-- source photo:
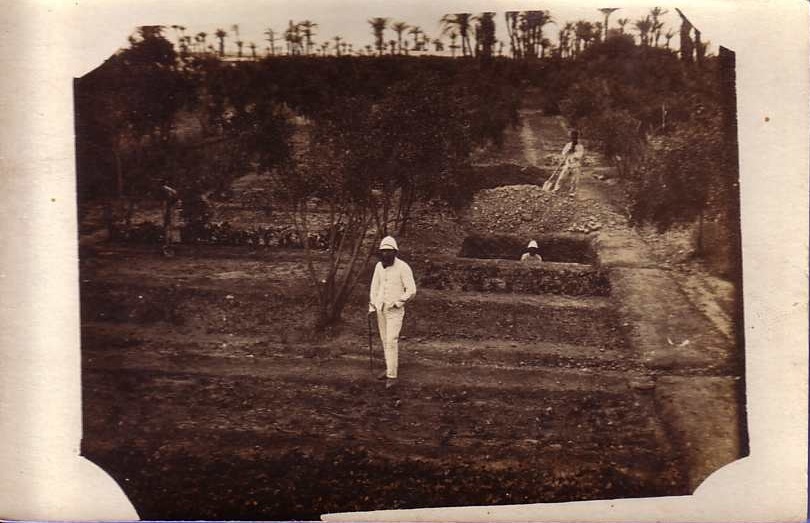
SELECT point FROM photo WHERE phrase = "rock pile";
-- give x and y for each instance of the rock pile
(528, 209)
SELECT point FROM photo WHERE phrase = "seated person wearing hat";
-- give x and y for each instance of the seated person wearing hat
(532, 255)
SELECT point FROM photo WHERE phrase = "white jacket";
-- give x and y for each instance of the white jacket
(391, 286)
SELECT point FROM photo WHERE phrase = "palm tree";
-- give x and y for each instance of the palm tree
(453, 45)
(344, 46)
(565, 39)
(656, 13)
(202, 36)
(669, 35)
(221, 34)
(369, 49)
(511, 29)
(239, 44)
(307, 30)
(271, 38)
(607, 12)
(644, 25)
(399, 28)
(583, 32)
(424, 43)
(485, 33)
(531, 25)
(337, 40)
(438, 45)
(252, 50)
(458, 22)
(378, 26)
(622, 22)
(415, 31)
(295, 40)
(392, 44)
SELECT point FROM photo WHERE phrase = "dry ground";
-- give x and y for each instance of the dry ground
(207, 396)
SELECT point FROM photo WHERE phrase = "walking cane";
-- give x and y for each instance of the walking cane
(370, 351)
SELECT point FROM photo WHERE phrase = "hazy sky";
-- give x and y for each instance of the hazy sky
(349, 19)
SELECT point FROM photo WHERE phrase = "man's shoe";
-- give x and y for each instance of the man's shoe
(390, 382)
(382, 376)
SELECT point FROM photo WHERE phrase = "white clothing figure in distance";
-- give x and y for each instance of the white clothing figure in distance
(532, 255)
(572, 155)
(391, 287)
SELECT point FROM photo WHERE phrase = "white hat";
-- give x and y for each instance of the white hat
(388, 243)
(532, 244)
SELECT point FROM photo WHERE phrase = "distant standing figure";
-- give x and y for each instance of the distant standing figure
(572, 155)
(170, 199)
(532, 255)
(391, 287)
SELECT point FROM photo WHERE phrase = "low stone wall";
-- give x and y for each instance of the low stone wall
(508, 276)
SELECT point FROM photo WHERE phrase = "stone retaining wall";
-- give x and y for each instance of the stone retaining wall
(508, 276)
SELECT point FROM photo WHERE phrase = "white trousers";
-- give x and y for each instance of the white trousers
(389, 322)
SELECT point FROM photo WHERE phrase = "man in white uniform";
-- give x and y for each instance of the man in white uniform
(391, 287)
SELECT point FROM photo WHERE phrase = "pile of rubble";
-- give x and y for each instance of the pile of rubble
(528, 209)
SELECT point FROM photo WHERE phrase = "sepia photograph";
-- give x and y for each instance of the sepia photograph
(452, 259)
(338, 263)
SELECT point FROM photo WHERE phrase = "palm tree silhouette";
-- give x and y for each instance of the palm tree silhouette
(583, 31)
(221, 34)
(531, 26)
(271, 38)
(203, 35)
(307, 29)
(460, 23)
(565, 39)
(252, 50)
(607, 11)
(669, 35)
(378, 26)
(415, 31)
(337, 40)
(644, 25)
(485, 33)
(399, 28)
(656, 13)
(622, 22)
(453, 46)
